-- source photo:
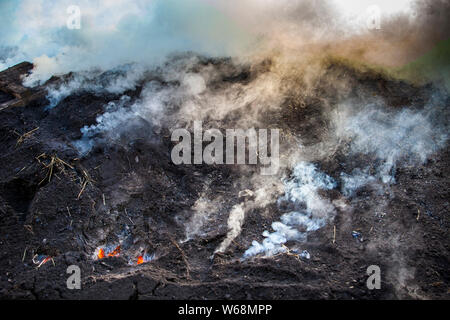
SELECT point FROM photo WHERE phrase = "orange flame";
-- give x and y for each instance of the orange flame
(140, 260)
(115, 253)
(101, 254)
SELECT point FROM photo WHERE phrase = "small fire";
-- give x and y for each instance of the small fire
(112, 251)
(102, 253)
(115, 253)
(144, 259)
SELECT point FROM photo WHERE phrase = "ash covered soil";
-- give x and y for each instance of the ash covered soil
(58, 202)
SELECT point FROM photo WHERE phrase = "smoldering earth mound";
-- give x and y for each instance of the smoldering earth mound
(75, 177)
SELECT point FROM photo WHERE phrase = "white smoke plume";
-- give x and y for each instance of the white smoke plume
(117, 81)
(394, 137)
(359, 178)
(123, 115)
(235, 221)
(176, 94)
(311, 210)
(203, 212)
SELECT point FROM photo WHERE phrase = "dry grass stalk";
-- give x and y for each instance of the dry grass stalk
(55, 161)
(83, 186)
(24, 254)
(126, 213)
(25, 136)
(289, 253)
(86, 179)
(29, 228)
(334, 234)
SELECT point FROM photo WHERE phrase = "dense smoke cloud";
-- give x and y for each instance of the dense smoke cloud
(114, 33)
(145, 32)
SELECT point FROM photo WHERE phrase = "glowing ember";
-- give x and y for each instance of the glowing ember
(142, 259)
(116, 251)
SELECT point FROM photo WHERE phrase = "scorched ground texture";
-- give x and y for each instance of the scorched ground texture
(144, 193)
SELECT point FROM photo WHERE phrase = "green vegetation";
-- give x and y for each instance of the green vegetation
(434, 66)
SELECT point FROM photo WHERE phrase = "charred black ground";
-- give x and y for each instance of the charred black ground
(150, 199)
